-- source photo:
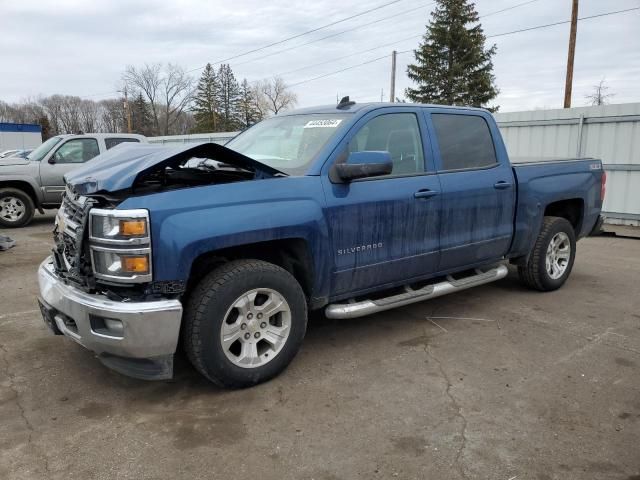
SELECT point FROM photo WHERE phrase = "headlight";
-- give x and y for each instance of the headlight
(119, 226)
(120, 245)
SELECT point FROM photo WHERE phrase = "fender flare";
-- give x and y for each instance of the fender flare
(35, 191)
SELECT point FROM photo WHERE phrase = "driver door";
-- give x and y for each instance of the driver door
(69, 155)
(385, 230)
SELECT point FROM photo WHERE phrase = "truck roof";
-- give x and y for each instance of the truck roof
(104, 135)
(368, 106)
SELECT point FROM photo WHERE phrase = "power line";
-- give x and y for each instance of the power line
(347, 56)
(301, 34)
(306, 43)
(561, 23)
(489, 36)
(537, 27)
(379, 46)
(338, 71)
(342, 20)
(336, 34)
(508, 8)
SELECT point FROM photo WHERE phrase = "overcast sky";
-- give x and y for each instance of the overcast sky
(82, 47)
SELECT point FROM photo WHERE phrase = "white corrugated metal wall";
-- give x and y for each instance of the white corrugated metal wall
(610, 133)
(220, 137)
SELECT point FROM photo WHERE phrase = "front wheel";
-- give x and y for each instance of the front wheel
(552, 257)
(16, 208)
(244, 323)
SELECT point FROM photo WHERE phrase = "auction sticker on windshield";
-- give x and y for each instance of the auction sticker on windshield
(323, 123)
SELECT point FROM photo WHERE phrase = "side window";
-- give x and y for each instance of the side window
(464, 140)
(396, 133)
(112, 142)
(78, 150)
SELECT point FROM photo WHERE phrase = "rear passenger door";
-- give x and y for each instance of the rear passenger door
(385, 229)
(478, 190)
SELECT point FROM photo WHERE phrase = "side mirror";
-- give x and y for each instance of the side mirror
(363, 165)
(51, 160)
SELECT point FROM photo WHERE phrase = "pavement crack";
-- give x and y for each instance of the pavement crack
(458, 410)
(23, 415)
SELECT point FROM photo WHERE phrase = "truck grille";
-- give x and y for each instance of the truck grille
(71, 258)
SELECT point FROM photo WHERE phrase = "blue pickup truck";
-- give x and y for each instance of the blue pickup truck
(354, 209)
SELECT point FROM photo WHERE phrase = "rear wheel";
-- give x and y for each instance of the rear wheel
(16, 208)
(552, 257)
(244, 323)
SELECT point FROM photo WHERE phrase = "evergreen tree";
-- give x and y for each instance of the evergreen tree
(452, 65)
(141, 119)
(206, 107)
(228, 99)
(248, 113)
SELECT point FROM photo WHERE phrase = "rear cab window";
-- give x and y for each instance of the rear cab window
(112, 142)
(464, 141)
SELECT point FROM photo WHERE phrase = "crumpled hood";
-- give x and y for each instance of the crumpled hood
(120, 168)
(6, 162)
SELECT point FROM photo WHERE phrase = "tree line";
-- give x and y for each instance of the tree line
(159, 99)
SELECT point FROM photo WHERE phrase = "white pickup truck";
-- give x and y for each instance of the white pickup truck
(36, 182)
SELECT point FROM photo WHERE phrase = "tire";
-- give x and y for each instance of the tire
(232, 297)
(538, 273)
(16, 208)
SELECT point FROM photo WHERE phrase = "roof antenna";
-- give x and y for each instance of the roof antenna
(345, 103)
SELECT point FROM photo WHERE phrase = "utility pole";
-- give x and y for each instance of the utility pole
(572, 52)
(392, 93)
(128, 110)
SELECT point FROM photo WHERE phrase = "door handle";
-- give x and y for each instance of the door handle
(502, 185)
(426, 193)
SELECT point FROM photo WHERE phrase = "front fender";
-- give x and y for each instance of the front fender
(22, 178)
(188, 223)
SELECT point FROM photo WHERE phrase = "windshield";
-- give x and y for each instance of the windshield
(39, 153)
(290, 143)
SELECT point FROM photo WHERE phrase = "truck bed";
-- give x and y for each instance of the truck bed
(543, 183)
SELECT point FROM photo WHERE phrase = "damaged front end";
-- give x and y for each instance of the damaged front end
(98, 287)
(136, 169)
(123, 172)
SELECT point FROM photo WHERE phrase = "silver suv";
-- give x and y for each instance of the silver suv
(36, 182)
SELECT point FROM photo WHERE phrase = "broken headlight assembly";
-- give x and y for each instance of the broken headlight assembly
(120, 245)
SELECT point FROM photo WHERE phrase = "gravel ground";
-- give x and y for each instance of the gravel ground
(498, 382)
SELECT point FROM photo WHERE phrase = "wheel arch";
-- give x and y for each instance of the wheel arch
(24, 186)
(570, 209)
(291, 254)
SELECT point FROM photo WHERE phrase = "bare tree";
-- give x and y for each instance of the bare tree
(6, 112)
(112, 115)
(599, 95)
(178, 93)
(148, 80)
(275, 95)
(260, 102)
(89, 116)
(168, 89)
(53, 108)
(70, 113)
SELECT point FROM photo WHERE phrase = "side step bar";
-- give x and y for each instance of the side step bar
(450, 285)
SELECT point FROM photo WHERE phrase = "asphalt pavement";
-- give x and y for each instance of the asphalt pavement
(498, 382)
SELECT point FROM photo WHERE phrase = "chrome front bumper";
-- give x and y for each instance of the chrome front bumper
(146, 334)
